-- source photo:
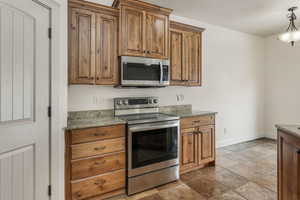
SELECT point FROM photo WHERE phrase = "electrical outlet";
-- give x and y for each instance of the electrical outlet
(225, 131)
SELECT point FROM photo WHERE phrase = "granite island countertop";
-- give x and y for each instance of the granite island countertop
(97, 118)
(292, 129)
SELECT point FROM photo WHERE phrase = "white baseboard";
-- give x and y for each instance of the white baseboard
(271, 135)
(228, 142)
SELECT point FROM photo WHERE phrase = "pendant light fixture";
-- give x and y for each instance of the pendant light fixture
(292, 34)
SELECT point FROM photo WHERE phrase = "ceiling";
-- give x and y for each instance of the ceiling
(260, 17)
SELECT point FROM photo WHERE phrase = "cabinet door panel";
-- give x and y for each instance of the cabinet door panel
(82, 47)
(156, 35)
(206, 142)
(176, 48)
(187, 51)
(288, 167)
(132, 35)
(188, 151)
(194, 61)
(106, 47)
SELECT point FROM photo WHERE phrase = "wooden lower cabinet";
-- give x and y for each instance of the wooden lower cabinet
(206, 142)
(197, 143)
(95, 163)
(189, 156)
(288, 166)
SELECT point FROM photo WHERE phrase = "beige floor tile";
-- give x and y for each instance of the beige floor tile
(225, 162)
(181, 192)
(207, 187)
(152, 197)
(228, 196)
(142, 194)
(252, 191)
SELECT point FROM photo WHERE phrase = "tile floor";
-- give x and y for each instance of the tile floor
(245, 171)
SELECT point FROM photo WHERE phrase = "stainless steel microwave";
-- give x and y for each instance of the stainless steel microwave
(144, 72)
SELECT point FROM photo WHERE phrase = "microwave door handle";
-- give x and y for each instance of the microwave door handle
(161, 72)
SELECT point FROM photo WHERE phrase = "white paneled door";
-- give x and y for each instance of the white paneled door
(24, 100)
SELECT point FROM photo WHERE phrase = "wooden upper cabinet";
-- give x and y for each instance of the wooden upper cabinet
(82, 46)
(176, 55)
(106, 50)
(132, 39)
(157, 35)
(93, 43)
(185, 54)
(144, 29)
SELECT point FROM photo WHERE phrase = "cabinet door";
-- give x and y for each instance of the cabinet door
(82, 47)
(288, 167)
(194, 60)
(176, 57)
(132, 32)
(106, 50)
(206, 144)
(188, 150)
(187, 52)
(157, 35)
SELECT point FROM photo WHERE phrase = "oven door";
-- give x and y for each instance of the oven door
(152, 146)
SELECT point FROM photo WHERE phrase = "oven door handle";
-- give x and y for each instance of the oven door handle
(154, 126)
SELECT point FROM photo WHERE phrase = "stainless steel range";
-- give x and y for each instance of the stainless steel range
(152, 143)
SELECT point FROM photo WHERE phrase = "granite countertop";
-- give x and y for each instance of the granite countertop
(92, 123)
(184, 111)
(92, 119)
(192, 113)
(97, 118)
(292, 129)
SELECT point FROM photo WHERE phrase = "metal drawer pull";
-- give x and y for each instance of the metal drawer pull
(100, 163)
(99, 148)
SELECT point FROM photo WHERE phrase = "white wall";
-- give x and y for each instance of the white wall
(282, 96)
(233, 84)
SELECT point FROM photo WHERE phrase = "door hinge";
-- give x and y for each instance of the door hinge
(49, 190)
(50, 33)
(49, 111)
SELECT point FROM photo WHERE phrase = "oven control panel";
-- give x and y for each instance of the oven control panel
(136, 102)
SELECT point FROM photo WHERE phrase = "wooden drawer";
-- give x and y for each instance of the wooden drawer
(97, 148)
(189, 130)
(197, 121)
(98, 185)
(97, 165)
(94, 134)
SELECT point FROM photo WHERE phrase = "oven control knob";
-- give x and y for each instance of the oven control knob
(119, 103)
(155, 101)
